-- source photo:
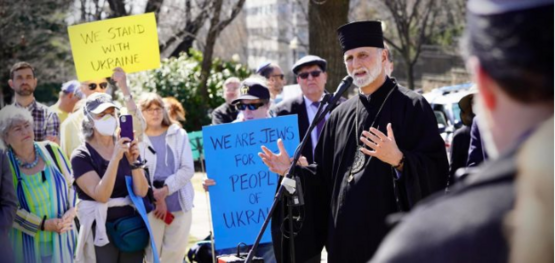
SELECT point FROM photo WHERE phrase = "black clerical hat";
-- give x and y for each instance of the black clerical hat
(309, 60)
(360, 34)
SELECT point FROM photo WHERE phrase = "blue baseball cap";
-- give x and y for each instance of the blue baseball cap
(70, 86)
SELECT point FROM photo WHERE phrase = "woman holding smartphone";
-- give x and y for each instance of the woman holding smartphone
(100, 167)
(170, 166)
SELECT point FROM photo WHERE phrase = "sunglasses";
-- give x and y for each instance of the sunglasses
(253, 106)
(314, 74)
(103, 85)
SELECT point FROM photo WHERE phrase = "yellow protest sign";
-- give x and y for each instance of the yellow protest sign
(129, 42)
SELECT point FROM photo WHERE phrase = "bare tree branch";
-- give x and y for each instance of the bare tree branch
(235, 11)
(188, 32)
(154, 6)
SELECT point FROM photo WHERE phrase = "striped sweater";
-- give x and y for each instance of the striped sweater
(46, 194)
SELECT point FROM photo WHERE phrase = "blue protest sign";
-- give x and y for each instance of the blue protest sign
(245, 188)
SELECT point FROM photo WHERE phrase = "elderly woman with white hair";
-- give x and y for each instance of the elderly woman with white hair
(43, 230)
(111, 228)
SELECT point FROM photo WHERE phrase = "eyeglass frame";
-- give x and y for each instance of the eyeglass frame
(152, 111)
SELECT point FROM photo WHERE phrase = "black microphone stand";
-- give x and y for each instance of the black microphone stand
(320, 115)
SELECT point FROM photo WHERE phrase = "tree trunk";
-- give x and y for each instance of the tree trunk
(324, 19)
(117, 7)
(410, 75)
(208, 52)
(216, 27)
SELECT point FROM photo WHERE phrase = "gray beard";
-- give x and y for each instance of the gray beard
(371, 75)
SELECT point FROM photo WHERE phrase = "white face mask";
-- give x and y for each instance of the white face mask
(106, 125)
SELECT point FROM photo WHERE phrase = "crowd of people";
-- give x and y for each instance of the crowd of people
(376, 180)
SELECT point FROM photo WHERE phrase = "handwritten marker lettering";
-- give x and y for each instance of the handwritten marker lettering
(245, 187)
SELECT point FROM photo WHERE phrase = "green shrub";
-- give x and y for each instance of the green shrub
(180, 77)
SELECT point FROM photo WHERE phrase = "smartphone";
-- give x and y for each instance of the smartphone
(169, 217)
(126, 126)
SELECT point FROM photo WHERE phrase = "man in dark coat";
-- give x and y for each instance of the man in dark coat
(515, 85)
(379, 153)
(309, 241)
(476, 152)
(227, 113)
(461, 137)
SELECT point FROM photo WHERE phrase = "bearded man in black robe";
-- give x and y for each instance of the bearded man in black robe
(379, 153)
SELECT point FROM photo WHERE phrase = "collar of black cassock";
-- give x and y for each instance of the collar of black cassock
(379, 95)
(360, 34)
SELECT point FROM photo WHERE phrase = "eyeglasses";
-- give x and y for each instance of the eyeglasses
(253, 106)
(103, 85)
(281, 76)
(153, 110)
(314, 74)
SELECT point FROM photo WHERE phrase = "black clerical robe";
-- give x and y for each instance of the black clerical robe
(358, 208)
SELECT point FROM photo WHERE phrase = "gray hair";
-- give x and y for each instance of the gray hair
(10, 115)
(87, 126)
(232, 80)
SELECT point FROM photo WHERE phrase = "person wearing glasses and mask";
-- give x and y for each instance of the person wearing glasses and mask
(254, 104)
(100, 166)
(275, 80)
(72, 125)
(312, 77)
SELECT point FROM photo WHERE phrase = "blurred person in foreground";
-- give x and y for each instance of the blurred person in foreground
(72, 126)
(100, 165)
(66, 100)
(43, 230)
(226, 112)
(24, 82)
(530, 224)
(379, 153)
(515, 96)
(170, 168)
(175, 110)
